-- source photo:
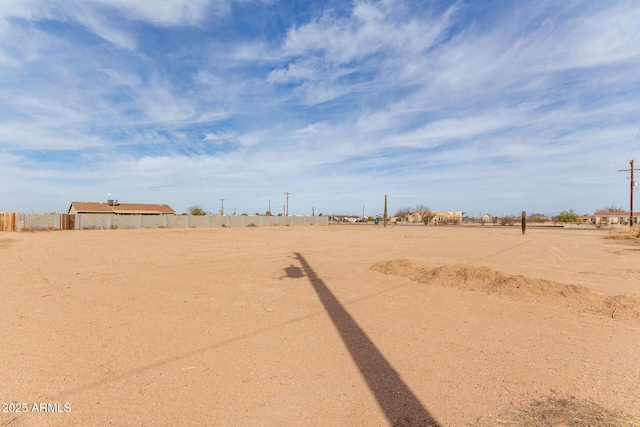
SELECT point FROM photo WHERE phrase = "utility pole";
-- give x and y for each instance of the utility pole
(286, 212)
(222, 209)
(630, 170)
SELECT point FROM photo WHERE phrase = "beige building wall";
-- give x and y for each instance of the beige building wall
(436, 217)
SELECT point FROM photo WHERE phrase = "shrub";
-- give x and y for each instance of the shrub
(196, 210)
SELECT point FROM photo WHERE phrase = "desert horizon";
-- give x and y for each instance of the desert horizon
(340, 325)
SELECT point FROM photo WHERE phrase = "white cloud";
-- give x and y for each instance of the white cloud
(371, 28)
(166, 12)
(330, 56)
(7, 61)
(294, 72)
(508, 58)
(252, 138)
(102, 27)
(610, 35)
(47, 137)
(378, 95)
(26, 9)
(211, 116)
(219, 136)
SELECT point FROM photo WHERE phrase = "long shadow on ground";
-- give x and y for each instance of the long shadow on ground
(400, 406)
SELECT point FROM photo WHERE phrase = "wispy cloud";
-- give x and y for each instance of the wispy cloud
(459, 106)
(166, 12)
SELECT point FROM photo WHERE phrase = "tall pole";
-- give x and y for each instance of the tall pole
(631, 170)
(631, 196)
(222, 209)
(269, 206)
(384, 218)
(286, 212)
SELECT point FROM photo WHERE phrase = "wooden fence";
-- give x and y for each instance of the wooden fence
(67, 222)
(8, 221)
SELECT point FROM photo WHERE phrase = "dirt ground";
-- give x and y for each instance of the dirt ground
(345, 325)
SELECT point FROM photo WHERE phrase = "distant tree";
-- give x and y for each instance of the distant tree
(425, 213)
(568, 216)
(612, 208)
(507, 220)
(403, 213)
(196, 210)
(268, 213)
(537, 217)
(244, 214)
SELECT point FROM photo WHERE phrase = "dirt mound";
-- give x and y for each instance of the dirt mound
(625, 235)
(484, 279)
(566, 412)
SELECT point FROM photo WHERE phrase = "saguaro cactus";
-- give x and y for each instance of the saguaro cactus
(524, 221)
(384, 218)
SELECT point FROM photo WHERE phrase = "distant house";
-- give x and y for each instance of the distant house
(112, 206)
(585, 219)
(439, 217)
(610, 218)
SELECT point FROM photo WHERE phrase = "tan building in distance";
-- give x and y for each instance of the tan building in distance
(611, 218)
(436, 217)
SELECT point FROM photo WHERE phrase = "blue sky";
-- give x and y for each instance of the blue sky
(478, 106)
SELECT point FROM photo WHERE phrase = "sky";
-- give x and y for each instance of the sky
(489, 106)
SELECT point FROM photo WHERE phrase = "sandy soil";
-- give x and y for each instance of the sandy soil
(335, 325)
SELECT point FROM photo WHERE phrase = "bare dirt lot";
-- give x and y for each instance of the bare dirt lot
(335, 325)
